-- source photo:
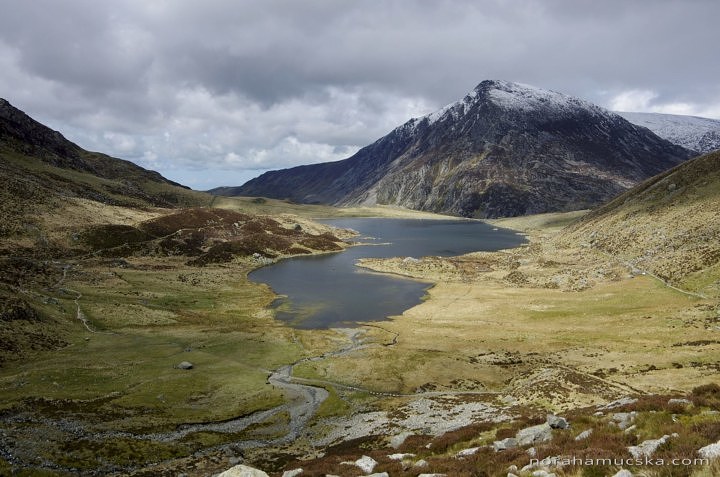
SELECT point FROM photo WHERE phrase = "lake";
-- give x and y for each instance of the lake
(324, 291)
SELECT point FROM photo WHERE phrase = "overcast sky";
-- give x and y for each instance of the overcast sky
(214, 92)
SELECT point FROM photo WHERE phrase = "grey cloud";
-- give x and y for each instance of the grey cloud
(249, 85)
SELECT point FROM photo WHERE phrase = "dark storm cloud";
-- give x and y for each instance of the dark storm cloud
(221, 85)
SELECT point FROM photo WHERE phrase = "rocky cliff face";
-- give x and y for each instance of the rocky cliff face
(505, 149)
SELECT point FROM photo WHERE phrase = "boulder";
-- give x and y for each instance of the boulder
(557, 422)
(681, 402)
(711, 451)
(243, 471)
(647, 448)
(292, 473)
(584, 435)
(185, 365)
(468, 452)
(623, 473)
(400, 456)
(398, 439)
(534, 435)
(366, 464)
(542, 473)
(507, 443)
(625, 401)
(623, 419)
(421, 464)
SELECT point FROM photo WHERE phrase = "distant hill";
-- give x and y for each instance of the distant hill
(668, 225)
(691, 132)
(39, 168)
(505, 149)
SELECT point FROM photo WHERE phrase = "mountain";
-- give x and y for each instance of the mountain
(505, 149)
(691, 132)
(668, 225)
(40, 169)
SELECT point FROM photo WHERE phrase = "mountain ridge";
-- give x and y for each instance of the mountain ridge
(692, 132)
(504, 149)
(41, 170)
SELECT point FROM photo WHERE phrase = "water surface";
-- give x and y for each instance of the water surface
(325, 291)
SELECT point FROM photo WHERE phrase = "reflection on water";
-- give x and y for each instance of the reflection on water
(329, 290)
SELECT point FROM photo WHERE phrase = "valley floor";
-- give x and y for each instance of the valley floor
(502, 336)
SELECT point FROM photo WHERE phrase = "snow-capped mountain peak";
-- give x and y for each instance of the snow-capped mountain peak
(692, 132)
(513, 97)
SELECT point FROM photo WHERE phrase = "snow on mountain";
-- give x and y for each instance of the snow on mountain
(513, 96)
(692, 132)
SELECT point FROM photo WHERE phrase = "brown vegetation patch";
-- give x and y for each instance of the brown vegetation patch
(194, 218)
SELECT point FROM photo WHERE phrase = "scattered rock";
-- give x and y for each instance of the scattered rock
(410, 260)
(243, 471)
(532, 452)
(630, 429)
(711, 451)
(421, 464)
(510, 474)
(366, 464)
(185, 365)
(378, 474)
(623, 473)
(647, 448)
(432, 475)
(468, 452)
(557, 422)
(513, 468)
(584, 435)
(400, 456)
(235, 460)
(507, 443)
(534, 435)
(292, 473)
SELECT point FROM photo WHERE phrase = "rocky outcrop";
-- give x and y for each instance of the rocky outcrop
(504, 150)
